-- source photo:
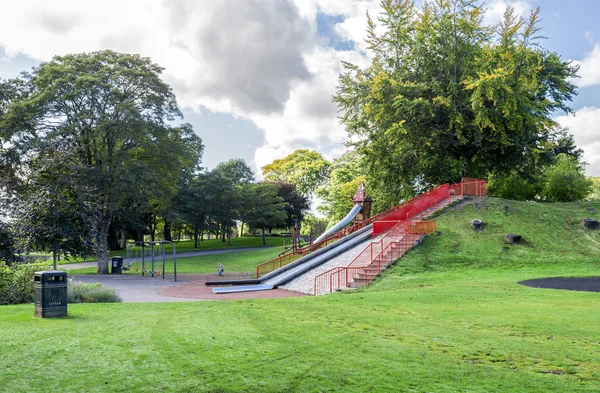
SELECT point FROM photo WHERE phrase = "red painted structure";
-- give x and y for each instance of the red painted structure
(383, 222)
(401, 229)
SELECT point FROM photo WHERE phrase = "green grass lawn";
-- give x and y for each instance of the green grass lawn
(238, 242)
(448, 317)
(245, 261)
(188, 246)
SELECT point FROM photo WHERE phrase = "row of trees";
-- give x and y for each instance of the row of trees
(88, 148)
(220, 199)
(89, 144)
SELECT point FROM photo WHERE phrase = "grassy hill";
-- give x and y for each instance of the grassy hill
(450, 316)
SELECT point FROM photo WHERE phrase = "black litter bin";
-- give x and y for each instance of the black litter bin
(117, 265)
(50, 288)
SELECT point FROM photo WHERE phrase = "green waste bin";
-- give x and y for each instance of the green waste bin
(117, 265)
(50, 289)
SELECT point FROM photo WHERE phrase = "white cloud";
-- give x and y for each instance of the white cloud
(590, 37)
(495, 10)
(589, 68)
(584, 127)
(309, 119)
(255, 59)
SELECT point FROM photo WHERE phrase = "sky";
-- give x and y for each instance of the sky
(255, 77)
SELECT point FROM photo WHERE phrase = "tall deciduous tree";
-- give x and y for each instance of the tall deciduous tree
(307, 169)
(8, 248)
(237, 170)
(267, 208)
(113, 109)
(446, 97)
(52, 212)
(297, 203)
(345, 176)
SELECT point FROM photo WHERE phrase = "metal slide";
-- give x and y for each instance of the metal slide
(287, 273)
(344, 221)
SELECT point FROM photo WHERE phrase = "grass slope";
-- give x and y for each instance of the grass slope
(449, 317)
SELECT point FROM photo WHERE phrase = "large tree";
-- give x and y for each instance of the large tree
(115, 111)
(446, 96)
(267, 209)
(52, 213)
(345, 177)
(307, 169)
(297, 203)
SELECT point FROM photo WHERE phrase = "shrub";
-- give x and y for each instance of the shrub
(513, 186)
(594, 194)
(16, 282)
(565, 181)
(7, 245)
(91, 293)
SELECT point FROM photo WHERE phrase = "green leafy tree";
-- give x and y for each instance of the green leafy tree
(565, 181)
(297, 203)
(307, 169)
(513, 185)
(8, 248)
(113, 109)
(53, 214)
(446, 97)
(241, 177)
(237, 170)
(267, 208)
(346, 174)
(594, 194)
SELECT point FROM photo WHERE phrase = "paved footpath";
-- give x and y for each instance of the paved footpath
(135, 288)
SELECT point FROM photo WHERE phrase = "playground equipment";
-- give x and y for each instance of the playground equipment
(400, 228)
(155, 251)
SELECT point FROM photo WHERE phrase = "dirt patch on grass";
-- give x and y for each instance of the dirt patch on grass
(195, 288)
(587, 284)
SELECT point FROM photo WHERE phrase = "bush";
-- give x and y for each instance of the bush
(565, 181)
(7, 245)
(91, 293)
(16, 282)
(513, 186)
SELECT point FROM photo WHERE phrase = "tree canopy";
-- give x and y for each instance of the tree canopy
(112, 112)
(307, 169)
(446, 96)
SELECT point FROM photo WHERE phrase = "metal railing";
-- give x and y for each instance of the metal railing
(401, 235)
(386, 220)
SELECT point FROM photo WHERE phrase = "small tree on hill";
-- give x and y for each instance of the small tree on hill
(565, 181)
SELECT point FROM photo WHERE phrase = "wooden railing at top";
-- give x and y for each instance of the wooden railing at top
(470, 187)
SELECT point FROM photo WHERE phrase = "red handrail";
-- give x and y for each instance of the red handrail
(385, 221)
(377, 255)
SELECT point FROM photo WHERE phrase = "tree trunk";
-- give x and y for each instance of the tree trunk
(55, 255)
(102, 245)
(196, 237)
(167, 231)
(222, 233)
(229, 236)
(263, 236)
(153, 227)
